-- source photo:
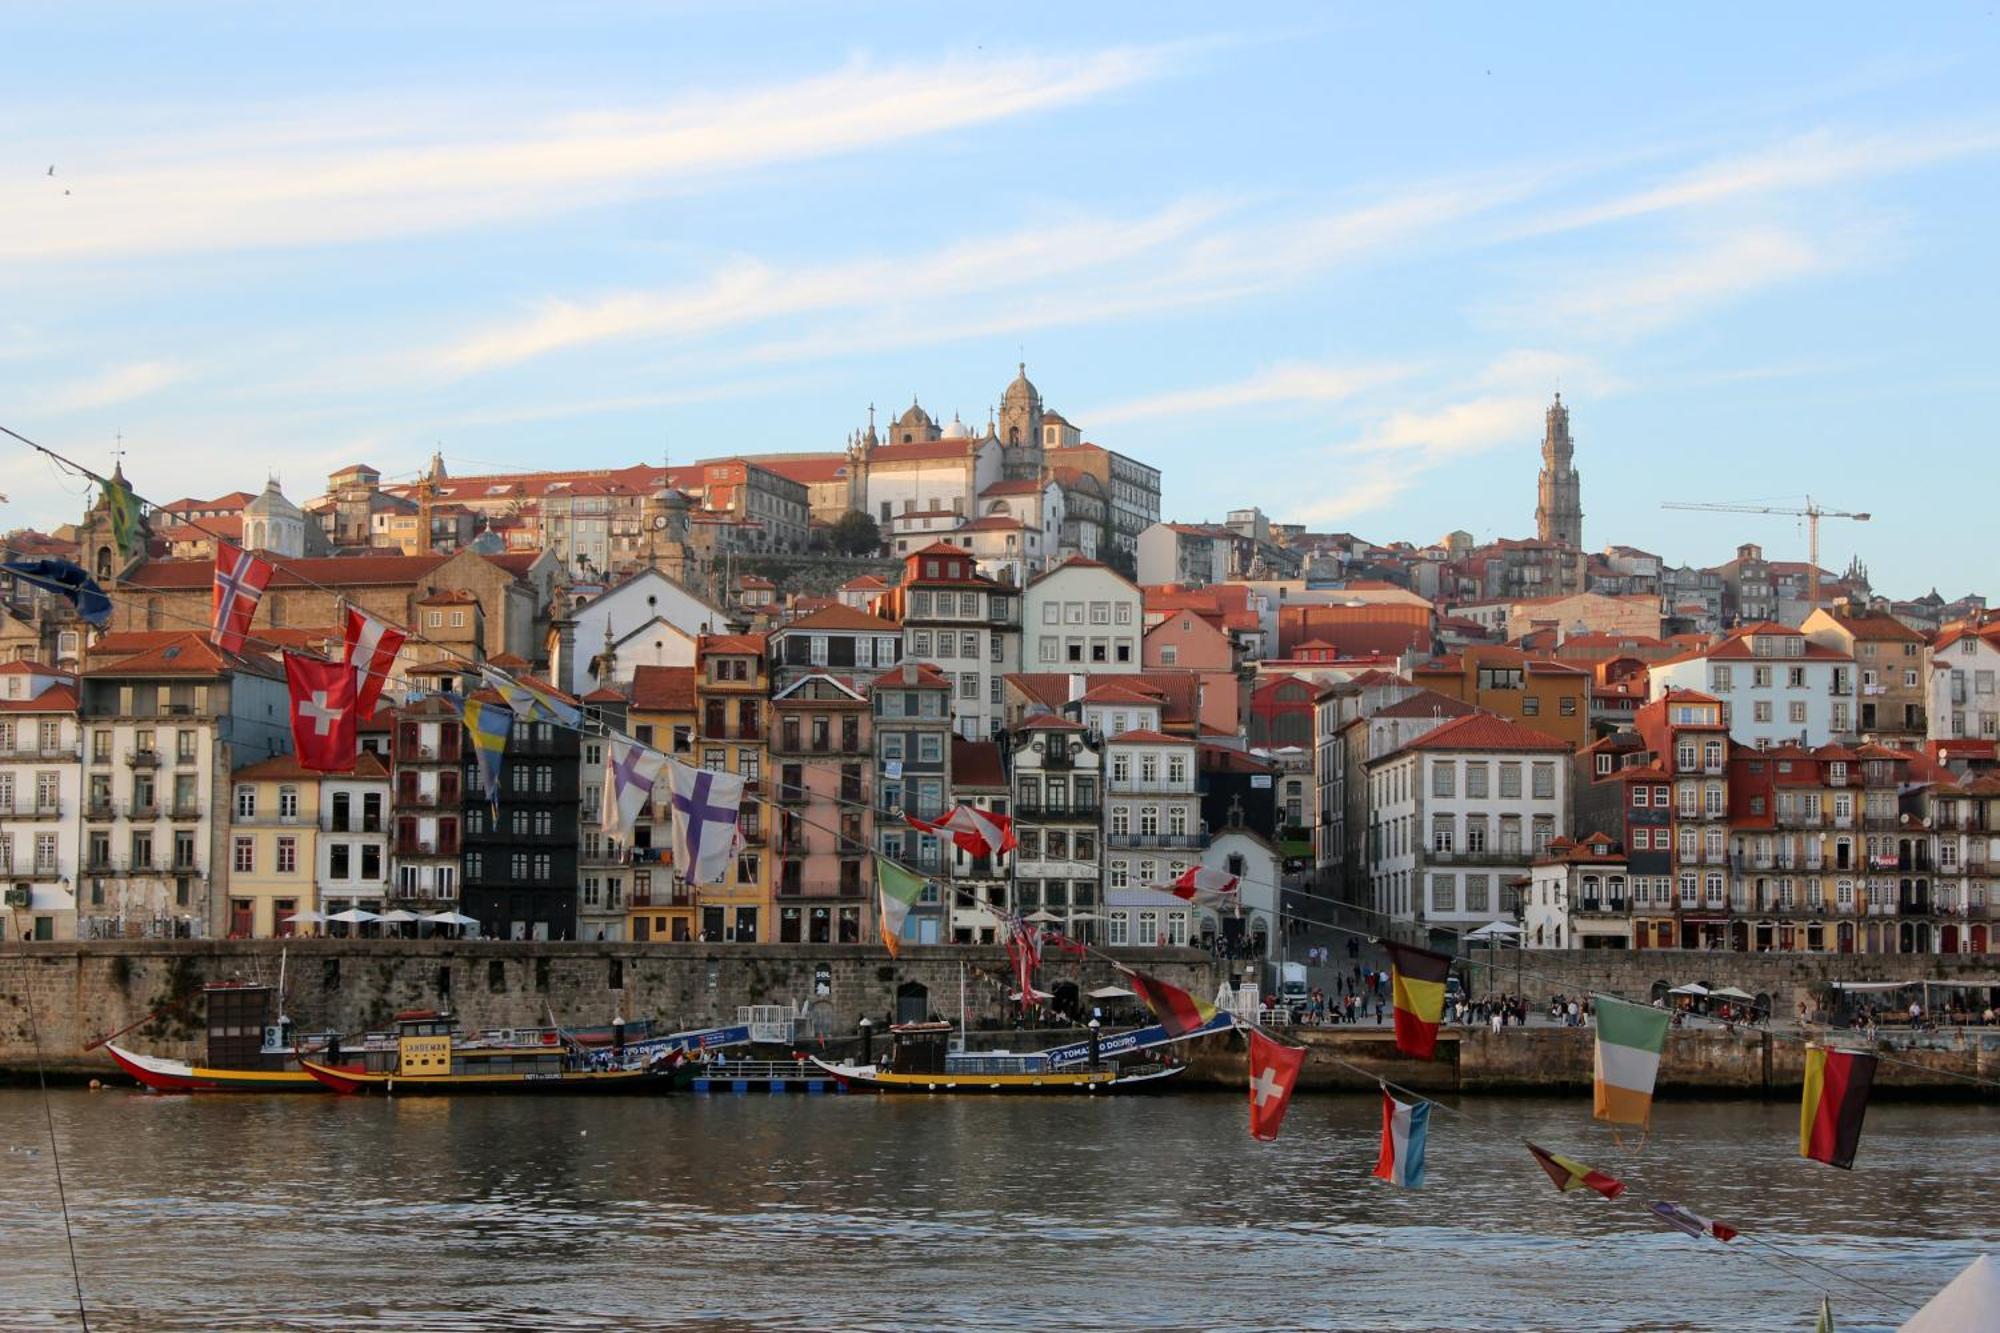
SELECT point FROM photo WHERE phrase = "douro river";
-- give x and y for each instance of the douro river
(321, 1212)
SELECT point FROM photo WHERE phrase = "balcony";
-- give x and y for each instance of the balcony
(1463, 857)
(1601, 907)
(793, 844)
(100, 808)
(789, 795)
(1166, 841)
(67, 754)
(185, 810)
(1117, 788)
(143, 759)
(819, 889)
(1067, 811)
(830, 747)
(37, 810)
(661, 898)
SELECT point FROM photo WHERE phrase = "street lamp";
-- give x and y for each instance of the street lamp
(1094, 1026)
(867, 1040)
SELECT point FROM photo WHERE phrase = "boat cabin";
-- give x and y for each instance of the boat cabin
(428, 1043)
(242, 1032)
(925, 1048)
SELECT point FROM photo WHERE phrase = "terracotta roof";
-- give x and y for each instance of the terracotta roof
(1112, 691)
(754, 581)
(187, 655)
(1427, 703)
(898, 677)
(865, 583)
(1050, 722)
(449, 597)
(1876, 627)
(929, 451)
(1018, 487)
(841, 617)
(976, 764)
(992, 523)
(663, 689)
(509, 662)
(1144, 737)
(1228, 759)
(604, 694)
(1485, 731)
(728, 643)
(805, 470)
(54, 699)
(333, 571)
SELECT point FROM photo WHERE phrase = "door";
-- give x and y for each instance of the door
(242, 917)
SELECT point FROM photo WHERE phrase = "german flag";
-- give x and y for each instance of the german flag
(1569, 1175)
(1836, 1097)
(1179, 1012)
(1417, 986)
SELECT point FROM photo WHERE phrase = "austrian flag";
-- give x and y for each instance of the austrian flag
(1200, 884)
(240, 580)
(323, 723)
(976, 832)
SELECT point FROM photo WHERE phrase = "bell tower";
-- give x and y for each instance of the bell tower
(1559, 497)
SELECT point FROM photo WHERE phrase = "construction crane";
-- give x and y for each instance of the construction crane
(1812, 514)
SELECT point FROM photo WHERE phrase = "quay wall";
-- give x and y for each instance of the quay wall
(80, 992)
(1698, 1062)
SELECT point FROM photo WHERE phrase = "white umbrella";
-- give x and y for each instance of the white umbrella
(397, 916)
(1038, 994)
(1731, 993)
(1111, 993)
(1495, 930)
(1043, 915)
(354, 916)
(1692, 988)
(450, 919)
(306, 918)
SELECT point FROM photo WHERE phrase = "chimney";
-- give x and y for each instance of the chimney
(1079, 685)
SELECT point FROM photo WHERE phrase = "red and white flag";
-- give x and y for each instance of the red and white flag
(1274, 1070)
(1199, 882)
(240, 580)
(372, 646)
(976, 832)
(323, 722)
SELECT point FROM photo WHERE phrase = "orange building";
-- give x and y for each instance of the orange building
(1550, 697)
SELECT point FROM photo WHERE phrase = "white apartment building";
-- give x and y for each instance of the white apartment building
(353, 852)
(1457, 815)
(1963, 698)
(40, 798)
(1081, 617)
(963, 623)
(1058, 792)
(1152, 819)
(1776, 686)
(1578, 897)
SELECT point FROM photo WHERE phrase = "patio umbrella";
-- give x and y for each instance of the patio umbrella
(397, 916)
(450, 919)
(354, 916)
(306, 918)
(1112, 993)
(1495, 930)
(1692, 988)
(1043, 914)
(1731, 993)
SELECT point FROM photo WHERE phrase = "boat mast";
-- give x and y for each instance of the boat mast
(961, 1004)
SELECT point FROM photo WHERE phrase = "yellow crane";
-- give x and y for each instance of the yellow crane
(1812, 514)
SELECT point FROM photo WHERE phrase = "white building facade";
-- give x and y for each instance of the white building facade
(41, 819)
(1964, 684)
(1152, 820)
(1081, 617)
(1776, 686)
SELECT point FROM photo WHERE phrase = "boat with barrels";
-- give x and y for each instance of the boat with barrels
(921, 1060)
(428, 1055)
(250, 1048)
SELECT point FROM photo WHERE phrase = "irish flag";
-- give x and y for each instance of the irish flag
(899, 890)
(1630, 1038)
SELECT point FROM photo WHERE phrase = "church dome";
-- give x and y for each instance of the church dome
(1022, 390)
(914, 418)
(956, 430)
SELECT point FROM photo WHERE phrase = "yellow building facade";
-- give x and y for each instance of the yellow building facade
(273, 847)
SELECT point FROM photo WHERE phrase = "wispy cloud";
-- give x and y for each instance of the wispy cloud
(1292, 383)
(408, 178)
(109, 387)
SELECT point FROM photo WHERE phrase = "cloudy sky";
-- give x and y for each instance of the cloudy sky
(1332, 260)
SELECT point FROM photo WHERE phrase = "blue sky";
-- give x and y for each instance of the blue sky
(1331, 260)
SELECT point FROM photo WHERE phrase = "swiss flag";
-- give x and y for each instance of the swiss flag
(372, 646)
(240, 580)
(1274, 1069)
(323, 719)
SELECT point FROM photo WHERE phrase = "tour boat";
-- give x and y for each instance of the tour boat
(429, 1056)
(247, 1050)
(920, 1060)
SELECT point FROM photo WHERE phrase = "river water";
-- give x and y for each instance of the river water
(861, 1212)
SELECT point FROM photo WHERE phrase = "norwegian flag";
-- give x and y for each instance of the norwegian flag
(240, 580)
(372, 646)
(1199, 882)
(976, 832)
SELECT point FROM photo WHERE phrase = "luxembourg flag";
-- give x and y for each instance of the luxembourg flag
(1404, 1129)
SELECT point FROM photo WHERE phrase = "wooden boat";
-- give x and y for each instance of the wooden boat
(920, 1060)
(428, 1056)
(248, 1051)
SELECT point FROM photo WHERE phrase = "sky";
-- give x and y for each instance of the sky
(1331, 260)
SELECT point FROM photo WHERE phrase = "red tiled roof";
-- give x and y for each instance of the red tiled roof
(1143, 737)
(186, 655)
(1019, 487)
(992, 523)
(509, 662)
(1485, 731)
(1115, 692)
(976, 764)
(331, 571)
(866, 583)
(1427, 703)
(1050, 722)
(728, 643)
(929, 451)
(54, 699)
(841, 617)
(604, 694)
(663, 689)
(806, 470)
(898, 677)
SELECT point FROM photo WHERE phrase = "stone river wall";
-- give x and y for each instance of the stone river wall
(84, 991)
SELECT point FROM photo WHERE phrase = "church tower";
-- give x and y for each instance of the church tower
(1559, 498)
(1021, 430)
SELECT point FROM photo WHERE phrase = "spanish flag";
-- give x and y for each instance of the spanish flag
(1180, 1013)
(1570, 1175)
(1417, 985)
(1836, 1097)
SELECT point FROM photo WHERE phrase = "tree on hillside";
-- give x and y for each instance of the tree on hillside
(855, 533)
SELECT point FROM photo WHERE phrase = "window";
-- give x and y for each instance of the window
(243, 859)
(1475, 779)
(1639, 795)
(1545, 782)
(1530, 706)
(1796, 711)
(1567, 705)
(1510, 781)
(288, 856)
(1719, 678)
(339, 861)
(1443, 834)
(246, 803)
(1761, 710)
(1444, 780)
(288, 802)
(1444, 893)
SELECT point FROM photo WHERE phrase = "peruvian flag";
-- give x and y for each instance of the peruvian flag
(240, 580)
(1198, 882)
(1274, 1070)
(323, 721)
(372, 646)
(977, 832)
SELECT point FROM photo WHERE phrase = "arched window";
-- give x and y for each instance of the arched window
(104, 562)
(1013, 434)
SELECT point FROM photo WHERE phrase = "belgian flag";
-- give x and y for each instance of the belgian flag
(1836, 1097)
(1417, 986)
